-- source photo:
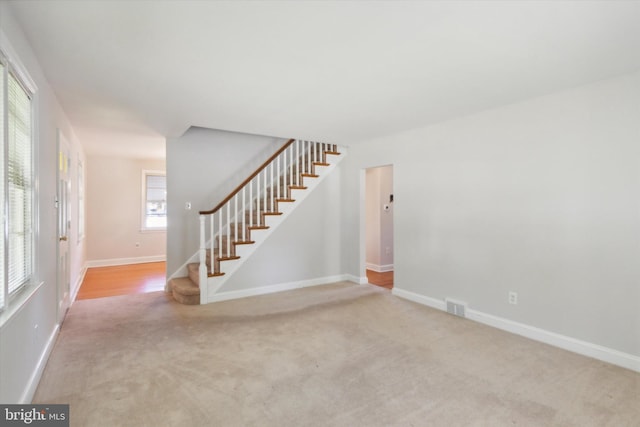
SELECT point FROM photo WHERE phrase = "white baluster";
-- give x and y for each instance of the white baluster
(285, 175)
(291, 149)
(264, 192)
(272, 207)
(228, 229)
(235, 216)
(213, 240)
(251, 203)
(313, 155)
(297, 162)
(278, 176)
(219, 234)
(202, 270)
(243, 214)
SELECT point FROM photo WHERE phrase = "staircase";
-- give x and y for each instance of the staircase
(237, 226)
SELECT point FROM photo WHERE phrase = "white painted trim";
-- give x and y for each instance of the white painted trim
(355, 279)
(380, 268)
(125, 261)
(74, 293)
(420, 299)
(605, 354)
(34, 380)
(584, 348)
(17, 65)
(229, 295)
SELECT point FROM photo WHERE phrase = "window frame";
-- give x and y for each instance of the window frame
(12, 301)
(143, 204)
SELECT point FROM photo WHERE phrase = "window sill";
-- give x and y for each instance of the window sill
(153, 230)
(18, 302)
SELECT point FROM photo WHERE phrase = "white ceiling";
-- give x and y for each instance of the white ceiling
(129, 74)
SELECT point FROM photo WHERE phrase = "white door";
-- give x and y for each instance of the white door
(64, 226)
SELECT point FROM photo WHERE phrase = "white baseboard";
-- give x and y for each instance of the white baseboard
(34, 380)
(420, 299)
(74, 291)
(229, 295)
(380, 268)
(355, 279)
(605, 354)
(125, 261)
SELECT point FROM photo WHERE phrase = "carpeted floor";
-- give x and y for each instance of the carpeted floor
(333, 355)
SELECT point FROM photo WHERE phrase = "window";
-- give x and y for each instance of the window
(154, 200)
(16, 193)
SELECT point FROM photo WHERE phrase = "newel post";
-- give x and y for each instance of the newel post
(202, 271)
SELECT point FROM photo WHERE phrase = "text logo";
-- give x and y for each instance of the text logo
(34, 415)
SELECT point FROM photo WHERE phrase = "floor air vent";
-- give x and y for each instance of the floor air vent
(457, 308)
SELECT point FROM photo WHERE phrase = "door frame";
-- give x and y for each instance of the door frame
(63, 231)
(363, 220)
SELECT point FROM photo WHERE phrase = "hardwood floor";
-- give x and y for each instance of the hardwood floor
(381, 279)
(102, 282)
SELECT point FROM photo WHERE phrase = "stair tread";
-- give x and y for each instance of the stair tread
(184, 286)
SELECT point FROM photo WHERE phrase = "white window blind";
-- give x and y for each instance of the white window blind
(19, 177)
(2, 186)
(17, 189)
(155, 201)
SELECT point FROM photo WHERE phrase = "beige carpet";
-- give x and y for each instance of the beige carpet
(333, 355)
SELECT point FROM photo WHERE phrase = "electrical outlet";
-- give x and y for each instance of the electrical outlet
(513, 298)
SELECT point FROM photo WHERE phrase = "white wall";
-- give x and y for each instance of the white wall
(203, 166)
(28, 335)
(539, 197)
(114, 212)
(379, 222)
(305, 247)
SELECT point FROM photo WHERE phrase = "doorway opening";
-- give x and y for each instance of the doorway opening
(379, 250)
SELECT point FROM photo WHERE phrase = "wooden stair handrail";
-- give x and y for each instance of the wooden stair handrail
(246, 181)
